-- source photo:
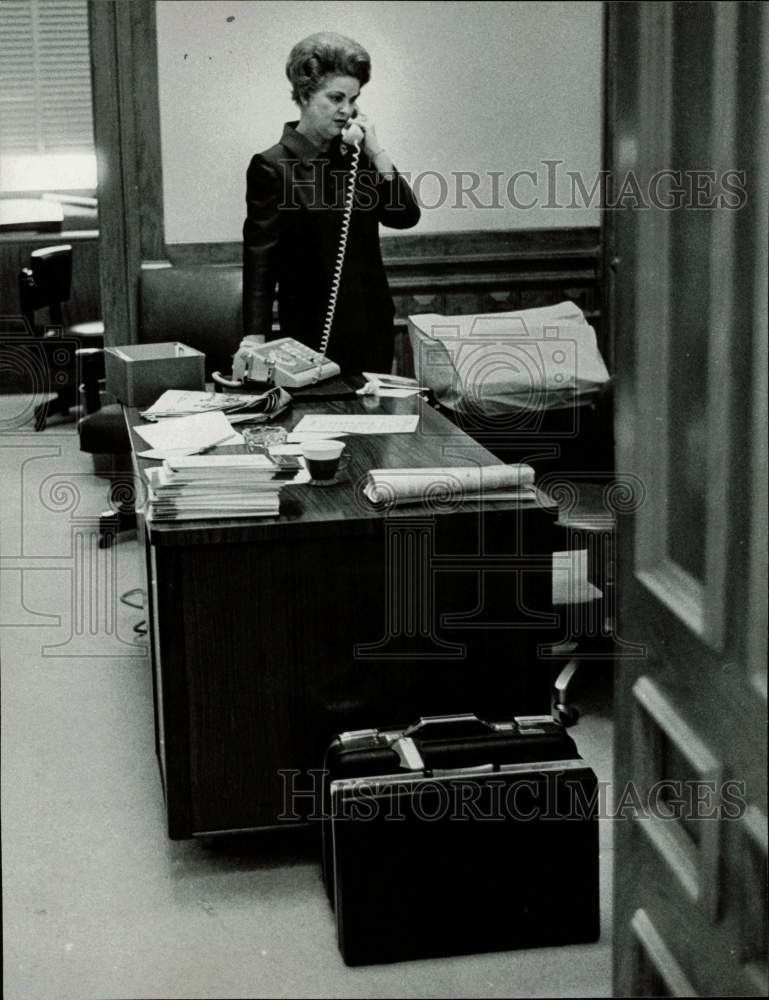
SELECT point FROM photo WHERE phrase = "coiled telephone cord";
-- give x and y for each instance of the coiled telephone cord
(337, 279)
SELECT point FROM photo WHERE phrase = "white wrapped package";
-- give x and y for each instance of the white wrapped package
(466, 482)
(491, 363)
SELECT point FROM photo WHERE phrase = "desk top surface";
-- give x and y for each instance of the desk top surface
(343, 507)
(30, 213)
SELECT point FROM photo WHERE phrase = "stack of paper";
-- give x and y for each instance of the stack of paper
(491, 482)
(214, 486)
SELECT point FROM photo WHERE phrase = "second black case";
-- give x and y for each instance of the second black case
(457, 836)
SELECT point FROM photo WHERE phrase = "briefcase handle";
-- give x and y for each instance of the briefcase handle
(449, 726)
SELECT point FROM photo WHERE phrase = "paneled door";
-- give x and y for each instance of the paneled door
(687, 135)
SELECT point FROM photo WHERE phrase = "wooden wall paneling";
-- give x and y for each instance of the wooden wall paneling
(146, 106)
(445, 253)
(609, 260)
(491, 301)
(752, 313)
(114, 193)
(495, 243)
(127, 136)
(468, 272)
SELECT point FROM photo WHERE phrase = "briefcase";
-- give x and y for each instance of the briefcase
(457, 836)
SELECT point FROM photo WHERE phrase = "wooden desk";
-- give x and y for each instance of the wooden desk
(19, 214)
(270, 635)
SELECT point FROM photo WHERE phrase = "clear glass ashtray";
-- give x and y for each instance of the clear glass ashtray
(259, 439)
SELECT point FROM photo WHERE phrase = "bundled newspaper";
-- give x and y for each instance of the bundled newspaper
(493, 482)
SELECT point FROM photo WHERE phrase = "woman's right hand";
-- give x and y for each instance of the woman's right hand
(244, 361)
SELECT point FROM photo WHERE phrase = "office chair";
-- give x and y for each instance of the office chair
(44, 285)
(199, 305)
(103, 434)
(583, 592)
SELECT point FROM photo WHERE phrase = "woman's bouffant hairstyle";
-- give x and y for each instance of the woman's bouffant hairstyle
(324, 54)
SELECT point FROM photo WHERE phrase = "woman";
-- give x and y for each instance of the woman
(295, 197)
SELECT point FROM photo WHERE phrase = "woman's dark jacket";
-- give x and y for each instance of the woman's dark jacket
(295, 199)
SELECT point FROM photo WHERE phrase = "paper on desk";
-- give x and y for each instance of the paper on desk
(392, 386)
(294, 438)
(285, 449)
(391, 380)
(491, 482)
(187, 435)
(384, 423)
(377, 389)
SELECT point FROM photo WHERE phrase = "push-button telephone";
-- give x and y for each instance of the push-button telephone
(284, 362)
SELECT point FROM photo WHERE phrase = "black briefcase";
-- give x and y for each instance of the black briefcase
(458, 836)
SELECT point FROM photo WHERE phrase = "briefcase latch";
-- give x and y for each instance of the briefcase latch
(408, 754)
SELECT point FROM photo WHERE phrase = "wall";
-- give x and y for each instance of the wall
(482, 88)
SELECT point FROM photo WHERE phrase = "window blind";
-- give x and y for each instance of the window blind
(45, 77)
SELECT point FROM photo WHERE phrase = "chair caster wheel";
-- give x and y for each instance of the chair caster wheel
(567, 715)
(112, 522)
(109, 526)
(41, 417)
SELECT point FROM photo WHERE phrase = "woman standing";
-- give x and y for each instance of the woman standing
(293, 230)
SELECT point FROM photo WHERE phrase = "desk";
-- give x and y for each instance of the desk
(270, 635)
(17, 214)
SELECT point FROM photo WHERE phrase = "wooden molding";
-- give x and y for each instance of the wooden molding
(651, 950)
(473, 271)
(490, 247)
(116, 259)
(146, 109)
(696, 866)
(127, 136)
(753, 892)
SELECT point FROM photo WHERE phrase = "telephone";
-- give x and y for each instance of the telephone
(285, 362)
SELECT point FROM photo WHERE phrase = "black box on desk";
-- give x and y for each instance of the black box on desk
(136, 374)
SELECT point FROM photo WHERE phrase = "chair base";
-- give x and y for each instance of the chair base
(62, 404)
(112, 523)
(567, 714)
(580, 659)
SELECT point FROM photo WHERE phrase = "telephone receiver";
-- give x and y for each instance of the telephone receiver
(352, 134)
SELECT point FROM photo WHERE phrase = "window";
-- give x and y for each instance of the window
(46, 123)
